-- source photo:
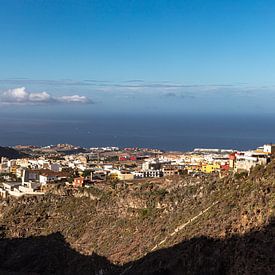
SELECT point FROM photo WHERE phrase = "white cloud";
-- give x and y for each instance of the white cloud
(15, 95)
(22, 96)
(74, 99)
(40, 97)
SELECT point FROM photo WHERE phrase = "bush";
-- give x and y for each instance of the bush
(145, 213)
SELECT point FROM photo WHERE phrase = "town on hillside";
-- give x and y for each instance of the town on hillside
(40, 169)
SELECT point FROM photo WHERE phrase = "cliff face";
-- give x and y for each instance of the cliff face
(167, 226)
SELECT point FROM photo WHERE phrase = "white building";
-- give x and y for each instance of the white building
(269, 148)
(152, 173)
(246, 160)
(17, 189)
(43, 179)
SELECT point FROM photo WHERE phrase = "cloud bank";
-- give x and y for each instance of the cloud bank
(22, 96)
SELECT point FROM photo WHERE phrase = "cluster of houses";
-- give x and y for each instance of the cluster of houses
(31, 176)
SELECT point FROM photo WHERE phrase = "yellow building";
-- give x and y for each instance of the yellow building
(125, 176)
(113, 176)
(13, 169)
(210, 168)
(118, 175)
(192, 168)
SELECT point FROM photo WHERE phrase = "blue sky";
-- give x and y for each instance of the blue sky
(138, 55)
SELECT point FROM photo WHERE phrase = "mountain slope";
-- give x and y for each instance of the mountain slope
(178, 225)
(10, 153)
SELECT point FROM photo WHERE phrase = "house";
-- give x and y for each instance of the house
(225, 167)
(120, 175)
(232, 160)
(153, 173)
(246, 160)
(78, 182)
(98, 175)
(4, 168)
(30, 175)
(9, 188)
(10, 185)
(192, 168)
(18, 189)
(113, 176)
(47, 176)
(125, 176)
(123, 158)
(170, 170)
(210, 168)
(30, 188)
(55, 167)
(138, 174)
(269, 148)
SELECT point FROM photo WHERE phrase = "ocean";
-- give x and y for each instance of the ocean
(168, 132)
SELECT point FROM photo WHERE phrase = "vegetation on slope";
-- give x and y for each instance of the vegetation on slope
(134, 224)
(10, 153)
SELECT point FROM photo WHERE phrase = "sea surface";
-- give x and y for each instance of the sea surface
(167, 132)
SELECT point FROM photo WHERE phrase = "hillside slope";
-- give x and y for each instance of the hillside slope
(10, 153)
(170, 226)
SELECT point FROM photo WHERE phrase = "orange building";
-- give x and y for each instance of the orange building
(78, 182)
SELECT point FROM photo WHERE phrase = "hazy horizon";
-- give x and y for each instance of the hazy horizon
(119, 59)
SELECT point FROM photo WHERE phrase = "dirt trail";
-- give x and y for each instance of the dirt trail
(182, 226)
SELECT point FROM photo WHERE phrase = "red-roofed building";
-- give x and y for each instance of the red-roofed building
(232, 159)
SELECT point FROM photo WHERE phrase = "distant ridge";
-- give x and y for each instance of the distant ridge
(11, 153)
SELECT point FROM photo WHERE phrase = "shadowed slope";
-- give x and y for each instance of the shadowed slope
(49, 255)
(252, 253)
